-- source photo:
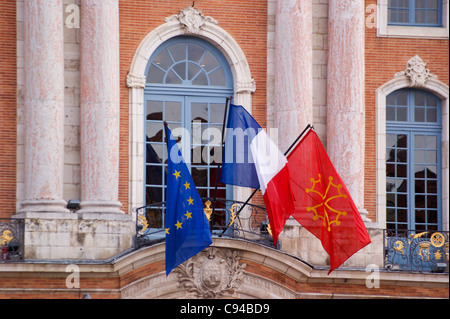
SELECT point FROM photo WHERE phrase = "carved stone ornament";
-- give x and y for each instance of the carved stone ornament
(135, 81)
(416, 72)
(191, 19)
(212, 273)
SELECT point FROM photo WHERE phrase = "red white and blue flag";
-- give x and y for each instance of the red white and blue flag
(252, 159)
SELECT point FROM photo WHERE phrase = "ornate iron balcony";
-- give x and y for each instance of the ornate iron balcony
(228, 218)
(416, 251)
(11, 239)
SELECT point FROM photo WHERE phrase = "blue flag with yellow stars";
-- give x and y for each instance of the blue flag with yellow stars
(187, 229)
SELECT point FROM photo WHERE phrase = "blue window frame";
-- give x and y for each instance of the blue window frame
(188, 80)
(413, 161)
(415, 12)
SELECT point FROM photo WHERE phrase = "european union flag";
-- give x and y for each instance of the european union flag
(187, 229)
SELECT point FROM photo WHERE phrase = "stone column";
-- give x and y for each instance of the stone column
(345, 94)
(100, 106)
(293, 69)
(44, 106)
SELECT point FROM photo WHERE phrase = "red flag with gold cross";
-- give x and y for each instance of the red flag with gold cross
(323, 204)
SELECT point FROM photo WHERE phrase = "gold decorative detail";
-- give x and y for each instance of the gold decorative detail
(142, 221)
(6, 237)
(399, 246)
(269, 229)
(424, 251)
(437, 239)
(208, 210)
(438, 255)
(446, 250)
(325, 204)
(419, 235)
(233, 214)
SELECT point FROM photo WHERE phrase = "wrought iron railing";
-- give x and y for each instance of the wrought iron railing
(227, 218)
(11, 239)
(416, 251)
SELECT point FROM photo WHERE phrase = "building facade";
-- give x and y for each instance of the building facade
(86, 85)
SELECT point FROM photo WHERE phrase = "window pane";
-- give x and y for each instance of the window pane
(402, 170)
(421, 3)
(402, 141)
(155, 75)
(178, 51)
(402, 98)
(173, 111)
(431, 157)
(419, 186)
(390, 114)
(421, 16)
(403, 3)
(193, 70)
(419, 99)
(217, 77)
(154, 132)
(432, 4)
(419, 156)
(431, 186)
(419, 141)
(163, 60)
(402, 185)
(432, 17)
(199, 112)
(392, 15)
(402, 200)
(431, 201)
(172, 78)
(180, 69)
(391, 140)
(432, 217)
(217, 112)
(403, 16)
(390, 185)
(200, 79)
(154, 110)
(402, 113)
(402, 215)
(402, 156)
(431, 115)
(209, 62)
(195, 52)
(419, 114)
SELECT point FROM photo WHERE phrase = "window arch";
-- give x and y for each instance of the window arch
(187, 83)
(413, 161)
(190, 62)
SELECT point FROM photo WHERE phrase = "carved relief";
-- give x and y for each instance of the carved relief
(212, 273)
(192, 20)
(416, 72)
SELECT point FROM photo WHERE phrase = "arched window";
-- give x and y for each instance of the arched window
(413, 161)
(187, 82)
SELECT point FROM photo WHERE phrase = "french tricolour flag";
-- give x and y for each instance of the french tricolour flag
(251, 159)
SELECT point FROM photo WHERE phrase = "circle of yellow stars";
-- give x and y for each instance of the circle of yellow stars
(190, 200)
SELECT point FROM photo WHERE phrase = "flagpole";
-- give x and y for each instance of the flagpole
(219, 165)
(309, 126)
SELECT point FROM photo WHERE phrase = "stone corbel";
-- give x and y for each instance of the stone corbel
(135, 81)
(245, 87)
(191, 19)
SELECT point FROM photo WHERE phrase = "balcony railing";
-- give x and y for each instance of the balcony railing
(11, 239)
(229, 218)
(416, 251)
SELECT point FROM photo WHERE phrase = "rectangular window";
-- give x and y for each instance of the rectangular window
(415, 13)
